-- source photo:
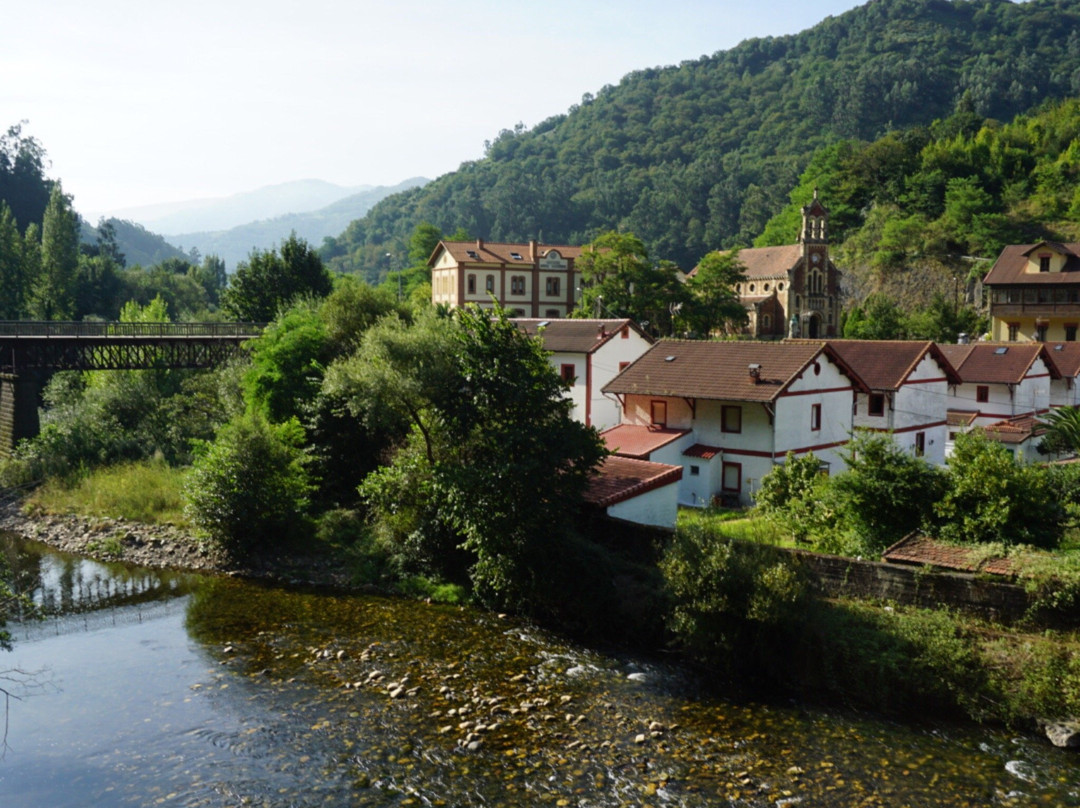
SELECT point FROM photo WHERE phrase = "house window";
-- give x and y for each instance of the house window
(567, 373)
(731, 418)
(876, 405)
(624, 333)
(1070, 332)
(1044, 263)
(1040, 332)
(1014, 330)
(658, 413)
(920, 444)
(695, 471)
(517, 285)
(470, 285)
(552, 313)
(982, 393)
(766, 321)
(552, 286)
(489, 283)
(815, 417)
(731, 477)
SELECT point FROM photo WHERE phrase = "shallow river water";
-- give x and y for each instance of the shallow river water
(144, 688)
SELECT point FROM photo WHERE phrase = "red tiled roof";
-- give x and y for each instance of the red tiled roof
(703, 451)
(915, 549)
(997, 363)
(1017, 429)
(621, 478)
(720, 370)
(630, 440)
(886, 364)
(494, 252)
(573, 336)
(961, 417)
(1066, 356)
(1011, 266)
(766, 263)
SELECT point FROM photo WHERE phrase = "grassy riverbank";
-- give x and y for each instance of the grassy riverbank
(736, 607)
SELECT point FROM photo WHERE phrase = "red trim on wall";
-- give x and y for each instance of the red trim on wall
(815, 392)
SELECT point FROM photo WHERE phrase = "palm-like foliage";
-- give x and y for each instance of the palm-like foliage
(1062, 434)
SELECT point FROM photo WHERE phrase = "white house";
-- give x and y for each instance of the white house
(1065, 392)
(588, 354)
(636, 491)
(908, 392)
(998, 382)
(727, 412)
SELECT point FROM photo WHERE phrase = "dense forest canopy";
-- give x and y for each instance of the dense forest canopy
(701, 155)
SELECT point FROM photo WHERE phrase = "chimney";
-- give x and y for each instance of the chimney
(601, 332)
(755, 372)
(962, 338)
(479, 244)
(532, 251)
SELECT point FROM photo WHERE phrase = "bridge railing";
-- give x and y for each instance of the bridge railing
(58, 328)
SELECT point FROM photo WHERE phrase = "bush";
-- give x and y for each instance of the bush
(249, 489)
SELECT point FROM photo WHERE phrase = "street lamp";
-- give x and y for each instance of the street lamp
(390, 268)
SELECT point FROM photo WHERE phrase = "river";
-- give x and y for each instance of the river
(149, 688)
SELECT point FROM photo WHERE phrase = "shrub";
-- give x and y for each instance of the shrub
(249, 488)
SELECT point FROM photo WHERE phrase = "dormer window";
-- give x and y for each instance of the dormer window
(473, 254)
(1044, 263)
(516, 256)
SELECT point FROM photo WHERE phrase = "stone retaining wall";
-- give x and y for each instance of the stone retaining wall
(847, 577)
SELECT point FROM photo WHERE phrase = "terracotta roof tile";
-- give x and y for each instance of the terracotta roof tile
(1016, 429)
(621, 478)
(915, 549)
(996, 363)
(717, 370)
(1011, 266)
(573, 336)
(1066, 356)
(704, 451)
(631, 440)
(502, 252)
(961, 417)
(886, 364)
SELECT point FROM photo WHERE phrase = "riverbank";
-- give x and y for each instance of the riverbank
(161, 546)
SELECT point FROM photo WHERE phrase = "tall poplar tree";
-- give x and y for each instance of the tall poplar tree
(54, 292)
(31, 266)
(11, 265)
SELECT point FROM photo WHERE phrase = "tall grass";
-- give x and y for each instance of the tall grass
(147, 491)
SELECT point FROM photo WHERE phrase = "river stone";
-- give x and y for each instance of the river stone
(1063, 734)
(637, 677)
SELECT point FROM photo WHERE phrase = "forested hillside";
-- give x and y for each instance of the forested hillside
(913, 210)
(703, 154)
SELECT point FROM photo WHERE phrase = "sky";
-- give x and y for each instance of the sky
(139, 103)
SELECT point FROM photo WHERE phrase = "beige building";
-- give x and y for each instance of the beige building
(529, 280)
(1034, 293)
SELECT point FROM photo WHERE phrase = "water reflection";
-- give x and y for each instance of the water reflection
(245, 694)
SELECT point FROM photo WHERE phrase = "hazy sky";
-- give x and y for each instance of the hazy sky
(146, 102)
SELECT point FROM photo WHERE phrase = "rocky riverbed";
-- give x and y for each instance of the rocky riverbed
(162, 547)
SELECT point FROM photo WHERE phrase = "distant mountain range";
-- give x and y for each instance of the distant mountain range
(222, 213)
(234, 243)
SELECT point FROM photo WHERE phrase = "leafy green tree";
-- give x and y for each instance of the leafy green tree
(270, 280)
(885, 493)
(287, 364)
(992, 498)
(213, 278)
(878, 318)
(715, 299)
(53, 296)
(248, 490)
(23, 184)
(12, 282)
(619, 280)
(792, 495)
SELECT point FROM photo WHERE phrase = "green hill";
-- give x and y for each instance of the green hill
(702, 154)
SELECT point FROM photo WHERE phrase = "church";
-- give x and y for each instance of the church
(793, 290)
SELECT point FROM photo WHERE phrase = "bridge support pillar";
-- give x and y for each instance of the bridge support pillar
(20, 398)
